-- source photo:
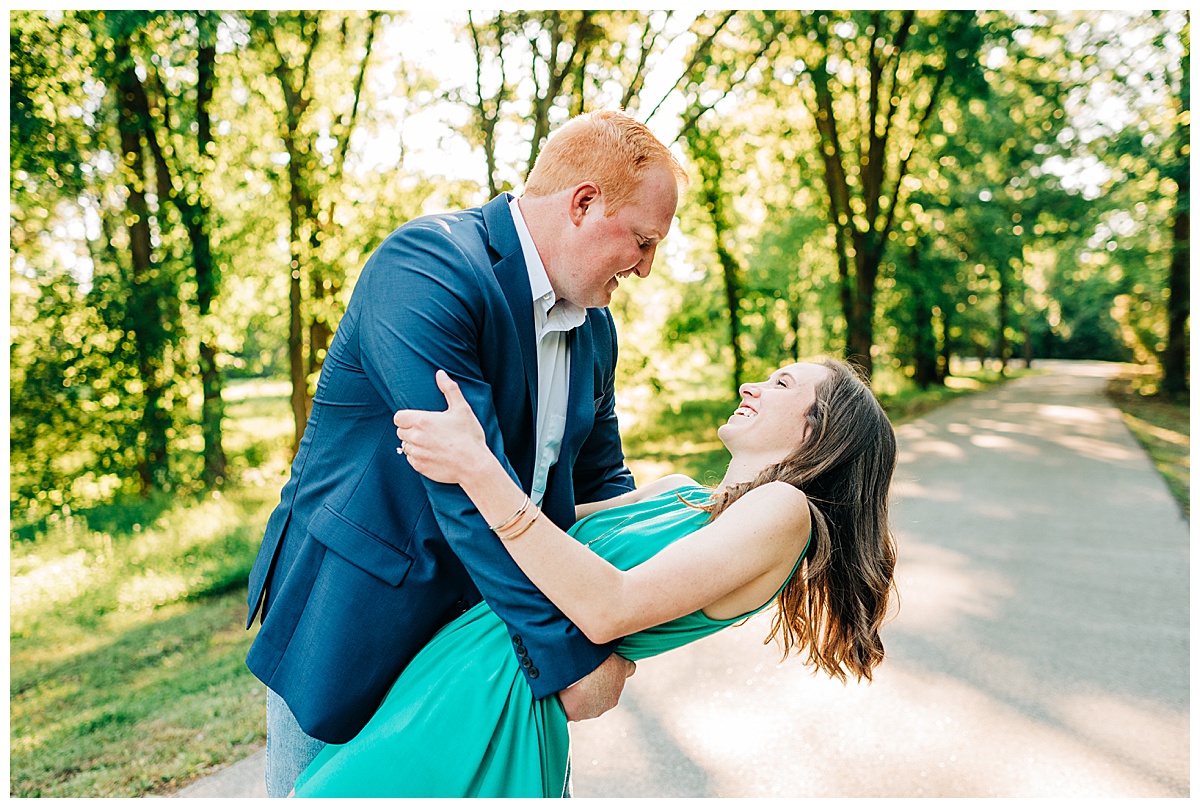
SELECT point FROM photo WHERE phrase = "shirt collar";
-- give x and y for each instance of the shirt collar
(565, 313)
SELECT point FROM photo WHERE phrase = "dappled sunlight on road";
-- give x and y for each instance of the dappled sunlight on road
(1061, 414)
(1110, 723)
(1100, 449)
(997, 442)
(754, 728)
(1026, 572)
(1018, 420)
(938, 587)
(903, 490)
(916, 446)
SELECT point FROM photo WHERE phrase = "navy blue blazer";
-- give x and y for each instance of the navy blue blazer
(364, 560)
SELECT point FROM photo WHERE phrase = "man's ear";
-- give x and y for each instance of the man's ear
(584, 199)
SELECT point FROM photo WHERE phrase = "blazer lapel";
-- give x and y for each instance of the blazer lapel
(513, 277)
(580, 406)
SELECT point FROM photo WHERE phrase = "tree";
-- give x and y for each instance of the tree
(1138, 149)
(717, 71)
(181, 179)
(1174, 357)
(871, 122)
(535, 69)
(291, 41)
(152, 313)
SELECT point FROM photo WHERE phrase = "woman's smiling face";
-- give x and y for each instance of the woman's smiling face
(771, 417)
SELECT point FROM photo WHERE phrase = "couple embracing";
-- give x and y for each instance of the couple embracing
(460, 563)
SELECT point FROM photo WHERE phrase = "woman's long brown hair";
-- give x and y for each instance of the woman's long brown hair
(834, 605)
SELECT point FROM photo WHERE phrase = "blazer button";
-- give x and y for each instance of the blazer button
(526, 662)
(533, 673)
(521, 650)
(516, 639)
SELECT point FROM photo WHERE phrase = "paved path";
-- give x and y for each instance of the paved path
(1041, 648)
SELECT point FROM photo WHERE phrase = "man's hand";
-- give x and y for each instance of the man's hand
(598, 692)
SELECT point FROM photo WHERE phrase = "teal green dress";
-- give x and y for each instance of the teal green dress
(461, 720)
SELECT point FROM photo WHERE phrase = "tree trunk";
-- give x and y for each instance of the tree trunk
(1027, 350)
(925, 369)
(144, 316)
(488, 118)
(875, 181)
(710, 168)
(1174, 357)
(794, 325)
(946, 352)
(1003, 350)
(860, 322)
(195, 217)
(327, 279)
(584, 34)
(293, 81)
(299, 210)
(729, 270)
(298, 369)
(212, 410)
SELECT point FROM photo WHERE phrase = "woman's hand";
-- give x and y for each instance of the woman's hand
(447, 446)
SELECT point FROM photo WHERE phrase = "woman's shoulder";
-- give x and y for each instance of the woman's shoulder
(775, 499)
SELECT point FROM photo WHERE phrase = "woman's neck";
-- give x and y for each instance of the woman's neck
(740, 470)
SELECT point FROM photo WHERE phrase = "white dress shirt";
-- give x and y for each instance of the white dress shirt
(552, 319)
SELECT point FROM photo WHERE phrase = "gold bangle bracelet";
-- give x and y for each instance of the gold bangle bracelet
(512, 520)
(536, 513)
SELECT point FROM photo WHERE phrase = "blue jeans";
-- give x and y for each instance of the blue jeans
(289, 750)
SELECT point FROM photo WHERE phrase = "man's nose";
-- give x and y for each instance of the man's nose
(643, 267)
(748, 389)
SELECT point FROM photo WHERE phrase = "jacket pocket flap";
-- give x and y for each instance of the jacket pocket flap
(364, 550)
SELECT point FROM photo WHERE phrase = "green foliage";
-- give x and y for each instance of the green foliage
(72, 368)
(127, 646)
(127, 638)
(48, 101)
(1140, 153)
(967, 230)
(1025, 217)
(109, 349)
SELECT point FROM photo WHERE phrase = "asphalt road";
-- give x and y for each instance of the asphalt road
(1040, 648)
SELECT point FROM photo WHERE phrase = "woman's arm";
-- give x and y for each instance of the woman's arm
(636, 495)
(750, 550)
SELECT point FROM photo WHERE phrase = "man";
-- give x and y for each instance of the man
(364, 559)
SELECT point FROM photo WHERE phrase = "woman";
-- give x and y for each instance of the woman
(806, 491)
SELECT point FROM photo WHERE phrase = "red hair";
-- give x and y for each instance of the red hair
(606, 147)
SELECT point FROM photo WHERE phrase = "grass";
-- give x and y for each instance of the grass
(127, 646)
(138, 705)
(1162, 425)
(127, 640)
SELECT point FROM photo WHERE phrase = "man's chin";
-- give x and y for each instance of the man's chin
(601, 300)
